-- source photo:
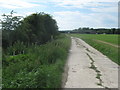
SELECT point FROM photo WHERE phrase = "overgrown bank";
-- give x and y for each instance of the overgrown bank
(33, 51)
(39, 67)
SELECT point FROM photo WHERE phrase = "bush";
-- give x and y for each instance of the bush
(40, 67)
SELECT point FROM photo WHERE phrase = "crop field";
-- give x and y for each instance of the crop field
(107, 38)
(103, 43)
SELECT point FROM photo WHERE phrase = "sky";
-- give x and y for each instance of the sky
(69, 14)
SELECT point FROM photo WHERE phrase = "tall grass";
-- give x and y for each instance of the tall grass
(39, 67)
(108, 50)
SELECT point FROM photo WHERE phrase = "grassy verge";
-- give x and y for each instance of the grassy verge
(39, 67)
(110, 38)
(108, 50)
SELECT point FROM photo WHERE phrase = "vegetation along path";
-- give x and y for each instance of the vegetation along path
(88, 68)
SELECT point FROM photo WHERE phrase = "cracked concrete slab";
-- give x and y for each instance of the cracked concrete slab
(79, 73)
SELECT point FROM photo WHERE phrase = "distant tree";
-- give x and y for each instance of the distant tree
(98, 30)
(85, 28)
(113, 30)
(35, 28)
(79, 29)
(10, 22)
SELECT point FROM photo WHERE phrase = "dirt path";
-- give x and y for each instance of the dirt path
(108, 43)
(88, 68)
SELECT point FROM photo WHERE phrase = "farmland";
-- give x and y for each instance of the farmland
(106, 49)
(107, 38)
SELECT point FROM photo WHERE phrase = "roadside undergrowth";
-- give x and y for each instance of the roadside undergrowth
(41, 66)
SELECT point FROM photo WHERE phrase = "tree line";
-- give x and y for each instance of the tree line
(87, 30)
(98, 30)
(37, 28)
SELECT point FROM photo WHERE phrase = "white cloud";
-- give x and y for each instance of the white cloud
(99, 14)
(104, 13)
(105, 10)
(72, 20)
(81, 3)
(12, 4)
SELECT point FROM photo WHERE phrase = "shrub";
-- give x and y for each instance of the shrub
(40, 67)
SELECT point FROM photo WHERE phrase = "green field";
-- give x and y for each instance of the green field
(106, 49)
(107, 38)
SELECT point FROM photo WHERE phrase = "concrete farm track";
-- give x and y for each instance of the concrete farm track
(88, 68)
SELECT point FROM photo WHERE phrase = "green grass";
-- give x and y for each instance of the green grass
(103, 37)
(39, 67)
(108, 50)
